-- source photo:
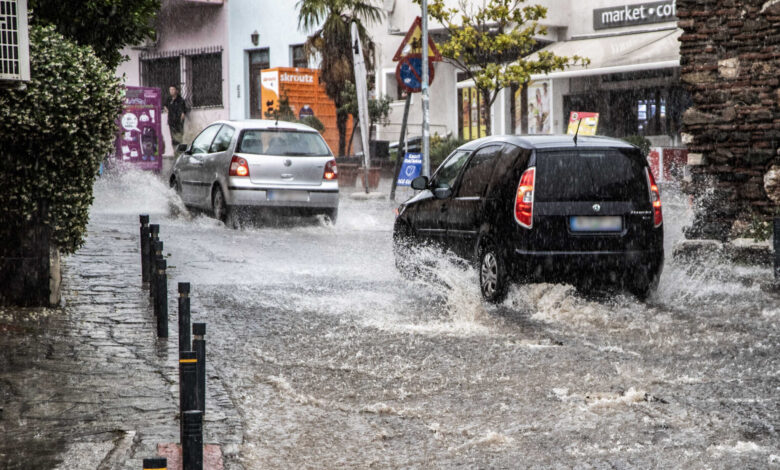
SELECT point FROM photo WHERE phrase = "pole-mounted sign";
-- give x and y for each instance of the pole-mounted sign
(408, 72)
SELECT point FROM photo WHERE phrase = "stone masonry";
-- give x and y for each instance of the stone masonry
(730, 52)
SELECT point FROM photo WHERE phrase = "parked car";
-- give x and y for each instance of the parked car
(526, 208)
(258, 164)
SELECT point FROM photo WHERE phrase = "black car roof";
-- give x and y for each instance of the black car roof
(549, 141)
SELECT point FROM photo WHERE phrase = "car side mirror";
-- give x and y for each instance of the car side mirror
(420, 183)
(442, 193)
(182, 148)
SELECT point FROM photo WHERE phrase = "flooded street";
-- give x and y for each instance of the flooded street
(333, 360)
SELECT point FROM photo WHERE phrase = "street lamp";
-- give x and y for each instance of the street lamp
(255, 37)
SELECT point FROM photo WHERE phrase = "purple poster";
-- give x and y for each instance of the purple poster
(140, 142)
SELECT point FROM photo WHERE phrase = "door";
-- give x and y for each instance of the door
(464, 212)
(195, 181)
(216, 162)
(258, 61)
(431, 213)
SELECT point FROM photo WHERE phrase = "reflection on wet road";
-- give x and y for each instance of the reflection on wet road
(335, 361)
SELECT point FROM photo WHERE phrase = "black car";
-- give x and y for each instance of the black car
(541, 208)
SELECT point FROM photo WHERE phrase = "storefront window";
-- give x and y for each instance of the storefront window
(471, 123)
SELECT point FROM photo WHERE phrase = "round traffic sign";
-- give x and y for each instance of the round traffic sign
(408, 73)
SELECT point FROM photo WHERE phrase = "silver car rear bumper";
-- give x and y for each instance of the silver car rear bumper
(242, 192)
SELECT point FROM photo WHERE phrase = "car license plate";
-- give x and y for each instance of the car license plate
(596, 224)
(288, 196)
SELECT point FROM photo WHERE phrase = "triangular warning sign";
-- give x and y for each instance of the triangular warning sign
(412, 44)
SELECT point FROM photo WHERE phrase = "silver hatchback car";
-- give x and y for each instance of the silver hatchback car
(253, 164)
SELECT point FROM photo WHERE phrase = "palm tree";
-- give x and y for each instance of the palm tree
(332, 44)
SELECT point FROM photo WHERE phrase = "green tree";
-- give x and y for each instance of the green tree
(53, 136)
(491, 42)
(331, 43)
(378, 109)
(105, 25)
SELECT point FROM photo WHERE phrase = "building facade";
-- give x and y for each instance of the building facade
(632, 80)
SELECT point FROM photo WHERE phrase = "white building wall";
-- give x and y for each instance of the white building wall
(277, 24)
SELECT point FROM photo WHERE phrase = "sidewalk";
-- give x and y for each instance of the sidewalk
(89, 385)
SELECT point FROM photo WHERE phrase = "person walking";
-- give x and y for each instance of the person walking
(177, 110)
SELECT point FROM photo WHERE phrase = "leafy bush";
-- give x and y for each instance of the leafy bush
(641, 142)
(441, 148)
(313, 122)
(53, 136)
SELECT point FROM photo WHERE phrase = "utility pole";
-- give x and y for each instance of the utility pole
(426, 117)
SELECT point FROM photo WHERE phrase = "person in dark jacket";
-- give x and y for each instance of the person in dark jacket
(177, 110)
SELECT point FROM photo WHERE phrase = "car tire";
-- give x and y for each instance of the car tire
(332, 215)
(643, 285)
(493, 276)
(220, 208)
(403, 238)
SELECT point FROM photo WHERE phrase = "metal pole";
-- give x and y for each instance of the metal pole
(156, 252)
(192, 440)
(188, 386)
(426, 117)
(184, 317)
(161, 298)
(199, 346)
(145, 247)
(401, 142)
(776, 236)
(157, 463)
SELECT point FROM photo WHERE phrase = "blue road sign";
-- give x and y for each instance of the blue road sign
(408, 73)
(411, 169)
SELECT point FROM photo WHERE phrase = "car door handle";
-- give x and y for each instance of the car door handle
(196, 162)
(286, 176)
(443, 208)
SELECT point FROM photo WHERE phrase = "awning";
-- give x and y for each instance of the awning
(618, 53)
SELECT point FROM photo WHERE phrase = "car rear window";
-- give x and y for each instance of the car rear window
(590, 175)
(288, 143)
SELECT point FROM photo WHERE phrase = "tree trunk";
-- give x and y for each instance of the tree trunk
(341, 123)
(487, 104)
(355, 123)
(30, 272)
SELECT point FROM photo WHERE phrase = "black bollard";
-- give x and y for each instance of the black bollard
(157, 463)
(154, 237)
(157, 254)
(188, 385)
(776, 236)
(184, 317)
(192, 440)
(161, 298)
(199, 346)
(145, 247)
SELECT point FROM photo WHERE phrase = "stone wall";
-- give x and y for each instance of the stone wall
(730, 57)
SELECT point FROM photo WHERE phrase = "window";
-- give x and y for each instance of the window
(161, 73)
(477, 175)
(299, 59)
(202, 142)
(198, 73)
(448, 171)
(206, 80)
(222, 140)
(287, 143)
(260, 58)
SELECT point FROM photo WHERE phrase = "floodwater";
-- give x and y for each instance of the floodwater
(334, 361)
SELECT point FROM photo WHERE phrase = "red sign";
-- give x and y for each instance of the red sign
(139, 143)
(412, 44)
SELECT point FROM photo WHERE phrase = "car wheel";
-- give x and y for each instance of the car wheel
(403, 238)
(220, 209)
(332, 215)
(643, 285)
(493, 279)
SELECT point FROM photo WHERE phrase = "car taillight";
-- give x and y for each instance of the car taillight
(238, 167)
(524, 201)
(331, 171)
(655, 199)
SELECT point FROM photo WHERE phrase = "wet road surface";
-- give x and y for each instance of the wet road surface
(334, 361)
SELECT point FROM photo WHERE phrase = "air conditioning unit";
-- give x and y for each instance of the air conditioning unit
(14, 42)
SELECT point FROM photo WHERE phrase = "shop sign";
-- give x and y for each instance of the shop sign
(411, 169)
(540, 107)
(636, 14)
(583, 123)
(139, 138)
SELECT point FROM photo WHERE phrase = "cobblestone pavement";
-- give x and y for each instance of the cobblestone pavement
(89, 385)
